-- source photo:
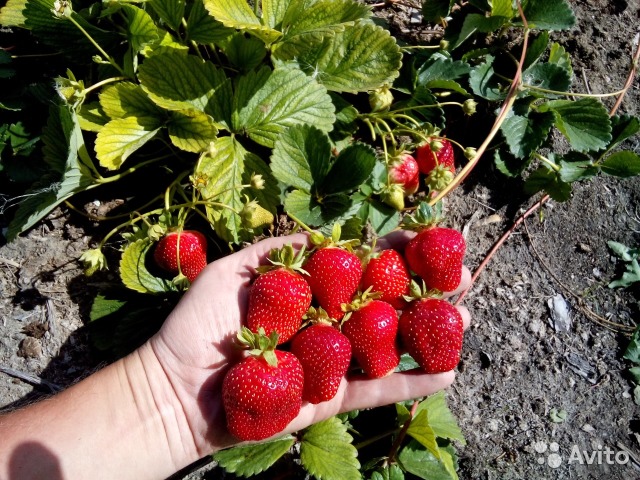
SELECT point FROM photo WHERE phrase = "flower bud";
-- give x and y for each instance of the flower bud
(380, 99)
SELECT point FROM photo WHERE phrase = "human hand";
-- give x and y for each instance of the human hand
(195, 348)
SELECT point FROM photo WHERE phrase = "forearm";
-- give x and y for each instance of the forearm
(122, 422)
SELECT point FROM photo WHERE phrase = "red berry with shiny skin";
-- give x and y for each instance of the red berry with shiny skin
(444, 157)
(405, 171)
(278, 299)
(388, 274)
(372, 330)
(432, 330)
(325, 354)
(435, 254)
(259, 399)
(193, 253)
(334, 276)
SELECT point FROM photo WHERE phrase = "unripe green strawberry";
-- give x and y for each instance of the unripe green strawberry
(394, 196)
(372, 328)
(253, 215)
(193, 253)
(380, 99)
(431, 330)
(280, 296)
(263, 392)
(387, 273)
(334, 276)
(325, 354)
(436, 255)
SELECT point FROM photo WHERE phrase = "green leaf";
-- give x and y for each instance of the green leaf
(572, 170)
(245, 53)
(269, 196)
(632, 353)
(559, 56)
(390, 472)
(307, 23)
(625, 253)
(629, 277)
(11, 13)
(525, 133)
(141, 31)
(202, 28)
(439, 67)
(585, 122)
(509, 164)
(419, 461)
(92, 117)
(249, 460)
(304, 207)
(121, 137)
(441, 420)
(135, 275)
(125, 99)
(326, 451)
(64, 151)
(420, 430)
(549, 14)
(635, 374)
(545, 179)
(623, 127)
(170, 11)
(474, 22)
(537, 46)
(360, 58)
(300, 157)
(547, 76)
(485, 83)
(382, 218)
(223, 171)
(435, 11)
(502, 8)
(191, 131)
(268, 102)
(176, 81)
(349, 170)
(103, 307)
(239, 15)
(622, 164)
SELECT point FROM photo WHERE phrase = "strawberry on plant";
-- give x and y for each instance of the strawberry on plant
(372, 327)
(280, 296)
(263, 392)
(404, 171)
(334, 273)
(387, 273)
(193, 253)
(436, 253)
(431, 330)
(437, 160)
(325, 354)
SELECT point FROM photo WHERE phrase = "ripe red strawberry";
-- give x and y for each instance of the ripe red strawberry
(280, 297)
(439, 166)
(431, 330)
(436, 254)
(372, 329)
(325, 354)
(404, 171)
(428, 159)
(193, 253)
(334, 276)
(388, 274)
(262, 393)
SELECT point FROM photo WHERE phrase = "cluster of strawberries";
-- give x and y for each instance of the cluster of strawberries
(336, 307)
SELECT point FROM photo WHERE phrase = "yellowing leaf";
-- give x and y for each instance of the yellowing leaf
(191, 131)
(125, 99)
(134, 273)
(238, 14)
(121, 137)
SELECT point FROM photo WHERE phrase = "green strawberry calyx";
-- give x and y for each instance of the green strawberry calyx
(360, 300)
(258, 344)
(418, 291)
(286, 257)
(425, 216)
(318, 316)
(439, 178)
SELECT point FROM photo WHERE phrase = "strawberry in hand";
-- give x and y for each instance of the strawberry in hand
(435, 253)
(387, 273)
(263, 392)
(192, 258)
(325, 354)
(334, 273)
(372, 327)
(431, 330)
(280, 296)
